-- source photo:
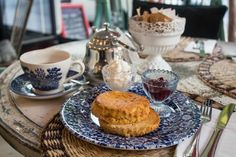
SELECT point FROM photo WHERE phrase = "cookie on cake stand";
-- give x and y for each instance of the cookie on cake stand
(157, 37)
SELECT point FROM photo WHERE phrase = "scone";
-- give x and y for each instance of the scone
(118, 107)
(134, 129)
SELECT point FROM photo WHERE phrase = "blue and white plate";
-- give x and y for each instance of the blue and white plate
(182, 123)
(21, 86)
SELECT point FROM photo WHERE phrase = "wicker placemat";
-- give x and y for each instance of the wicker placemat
(57, 141)
(219, 73)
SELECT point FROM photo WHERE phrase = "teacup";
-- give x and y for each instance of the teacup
(47, 69)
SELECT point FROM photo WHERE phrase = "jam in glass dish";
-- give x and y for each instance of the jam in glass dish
(159, 85)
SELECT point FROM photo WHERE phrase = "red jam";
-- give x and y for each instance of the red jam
(158, 89)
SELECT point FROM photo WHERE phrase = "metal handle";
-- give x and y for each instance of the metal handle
(126, 46)
(140, 48)
(210, 148)
(192, 149)
(137, 45)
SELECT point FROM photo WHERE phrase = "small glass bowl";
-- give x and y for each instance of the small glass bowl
(118, 81)
(159, 85)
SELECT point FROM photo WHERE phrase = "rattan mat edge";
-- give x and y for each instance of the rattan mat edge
(57, 141)
(204, 74)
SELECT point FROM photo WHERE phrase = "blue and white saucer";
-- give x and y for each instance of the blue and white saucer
(78, 119)
(21, 86)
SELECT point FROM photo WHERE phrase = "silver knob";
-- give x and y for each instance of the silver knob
(106, 25)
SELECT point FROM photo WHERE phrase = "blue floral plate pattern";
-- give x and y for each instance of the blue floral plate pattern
(21, 86)
(182, 123)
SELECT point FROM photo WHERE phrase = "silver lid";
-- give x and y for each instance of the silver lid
(103, 39)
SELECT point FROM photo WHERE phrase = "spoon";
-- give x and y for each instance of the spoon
(78, 82)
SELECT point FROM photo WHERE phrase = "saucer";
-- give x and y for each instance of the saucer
(21, 86)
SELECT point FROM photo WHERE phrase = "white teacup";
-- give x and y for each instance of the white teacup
(46, 69)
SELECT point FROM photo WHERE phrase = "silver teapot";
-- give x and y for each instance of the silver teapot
(103, 47)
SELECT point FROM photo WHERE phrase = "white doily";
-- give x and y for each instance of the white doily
(158, 28)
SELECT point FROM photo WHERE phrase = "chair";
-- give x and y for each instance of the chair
(11, 46)
(201, 21)
(20, 20)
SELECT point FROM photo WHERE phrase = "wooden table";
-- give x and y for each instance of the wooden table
(22, 120)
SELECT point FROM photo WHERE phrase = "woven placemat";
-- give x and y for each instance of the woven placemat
(57, 141)
(219, 73)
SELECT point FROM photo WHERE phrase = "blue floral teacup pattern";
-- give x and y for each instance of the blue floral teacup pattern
(46, 69)
(42, 80)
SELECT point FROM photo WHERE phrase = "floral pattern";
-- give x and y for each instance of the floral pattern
(182, 123)
(22, 86)
(42, 80)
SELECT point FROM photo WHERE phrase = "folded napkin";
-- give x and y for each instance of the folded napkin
(226, 146)
(208, 46)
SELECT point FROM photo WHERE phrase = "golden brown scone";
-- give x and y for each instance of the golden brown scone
(134, 129)
(118, 107)
(158, 17)
(119, 120)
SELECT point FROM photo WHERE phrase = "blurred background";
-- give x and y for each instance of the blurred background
(45, 23)
(34, 24)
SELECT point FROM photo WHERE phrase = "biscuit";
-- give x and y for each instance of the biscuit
(133, 129)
